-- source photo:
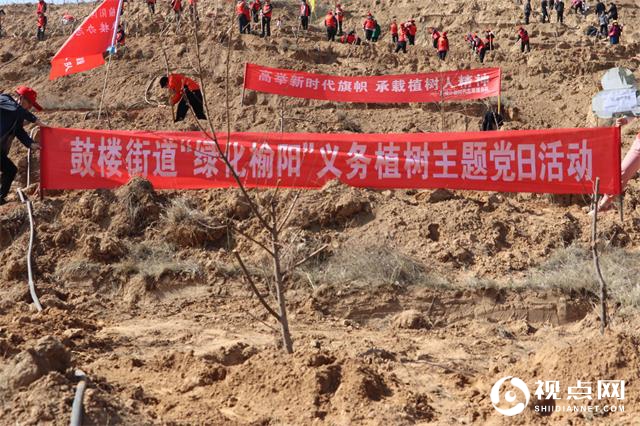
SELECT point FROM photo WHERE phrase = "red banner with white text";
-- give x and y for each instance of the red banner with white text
(546, 161)
(402, 88)
(84, 50)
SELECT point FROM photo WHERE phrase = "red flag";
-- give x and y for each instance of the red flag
(84, 50)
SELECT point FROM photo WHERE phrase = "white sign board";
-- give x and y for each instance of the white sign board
(620, 95)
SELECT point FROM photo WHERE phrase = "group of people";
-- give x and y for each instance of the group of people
(480, 46)
(256, 13)
(545, 7)
(613, 31)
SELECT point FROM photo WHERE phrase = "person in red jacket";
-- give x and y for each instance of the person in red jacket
(350, 38)
(369, 26)
(267, 10)
(339, 14)
(305, 12)
(185, 92)
(193, 10)
(42, 7)
(481, 48)
(256, 8)
(489, 39)
(151, 4)
(401, 44)
(120, 36)
(42, 26)
(394, 30)
(523, 36)
(412, 30)
(331, 23)
(435, 36)
(176, 6)
(443, 46)
(243, 14)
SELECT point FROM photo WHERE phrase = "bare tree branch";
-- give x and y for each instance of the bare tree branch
(305, 260)
(212, 135)
(253, 286)
(253, 240)
(291, 208)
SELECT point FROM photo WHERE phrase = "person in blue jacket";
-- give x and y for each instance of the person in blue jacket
(14, 110)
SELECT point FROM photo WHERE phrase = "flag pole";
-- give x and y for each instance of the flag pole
(111, 50)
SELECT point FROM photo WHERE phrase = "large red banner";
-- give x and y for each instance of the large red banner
(84, 50)
(547, 161)
(402, 88)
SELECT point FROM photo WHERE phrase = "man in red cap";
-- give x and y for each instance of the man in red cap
(13, 113)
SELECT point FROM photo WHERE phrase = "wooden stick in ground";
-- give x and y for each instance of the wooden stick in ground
(168, 71)
(104, 87)
(596, 259)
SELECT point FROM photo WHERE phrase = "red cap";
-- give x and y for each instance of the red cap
(30, 95)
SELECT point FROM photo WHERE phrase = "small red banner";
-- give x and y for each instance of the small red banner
(84, 50)
(402, 88)
(545, 161)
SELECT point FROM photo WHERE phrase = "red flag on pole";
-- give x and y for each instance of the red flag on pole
(84, 50)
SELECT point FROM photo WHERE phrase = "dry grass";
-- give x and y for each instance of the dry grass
(369, 265)
(572, 269)
(156, 260)
(187, 226)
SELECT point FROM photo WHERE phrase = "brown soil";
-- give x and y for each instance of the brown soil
(408, 316)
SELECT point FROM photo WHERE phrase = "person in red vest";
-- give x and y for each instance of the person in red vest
(267, 10)
(523, 36)
(481, 48)
(256, 8)
(394, 30)
(42, 7)
(120, 36)
(243, 14)
(401, 44)
(185, 92)
(412, 30)
(305, 12)
(42, 26)
(151, 4)
(339, 14)
(350, 38)
(489, 39)
(443, 46)
(193, 10)
(435, 36)
(331, 23)
(176, 6)
(369, 26)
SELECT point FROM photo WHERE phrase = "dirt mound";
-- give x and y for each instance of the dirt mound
(319, 384)
(589, 360)
(138, 206)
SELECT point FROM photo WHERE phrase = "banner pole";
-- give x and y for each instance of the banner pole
(104, 87)
(441, 106)
(244, 83)
(282, 116)
(499, 90)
